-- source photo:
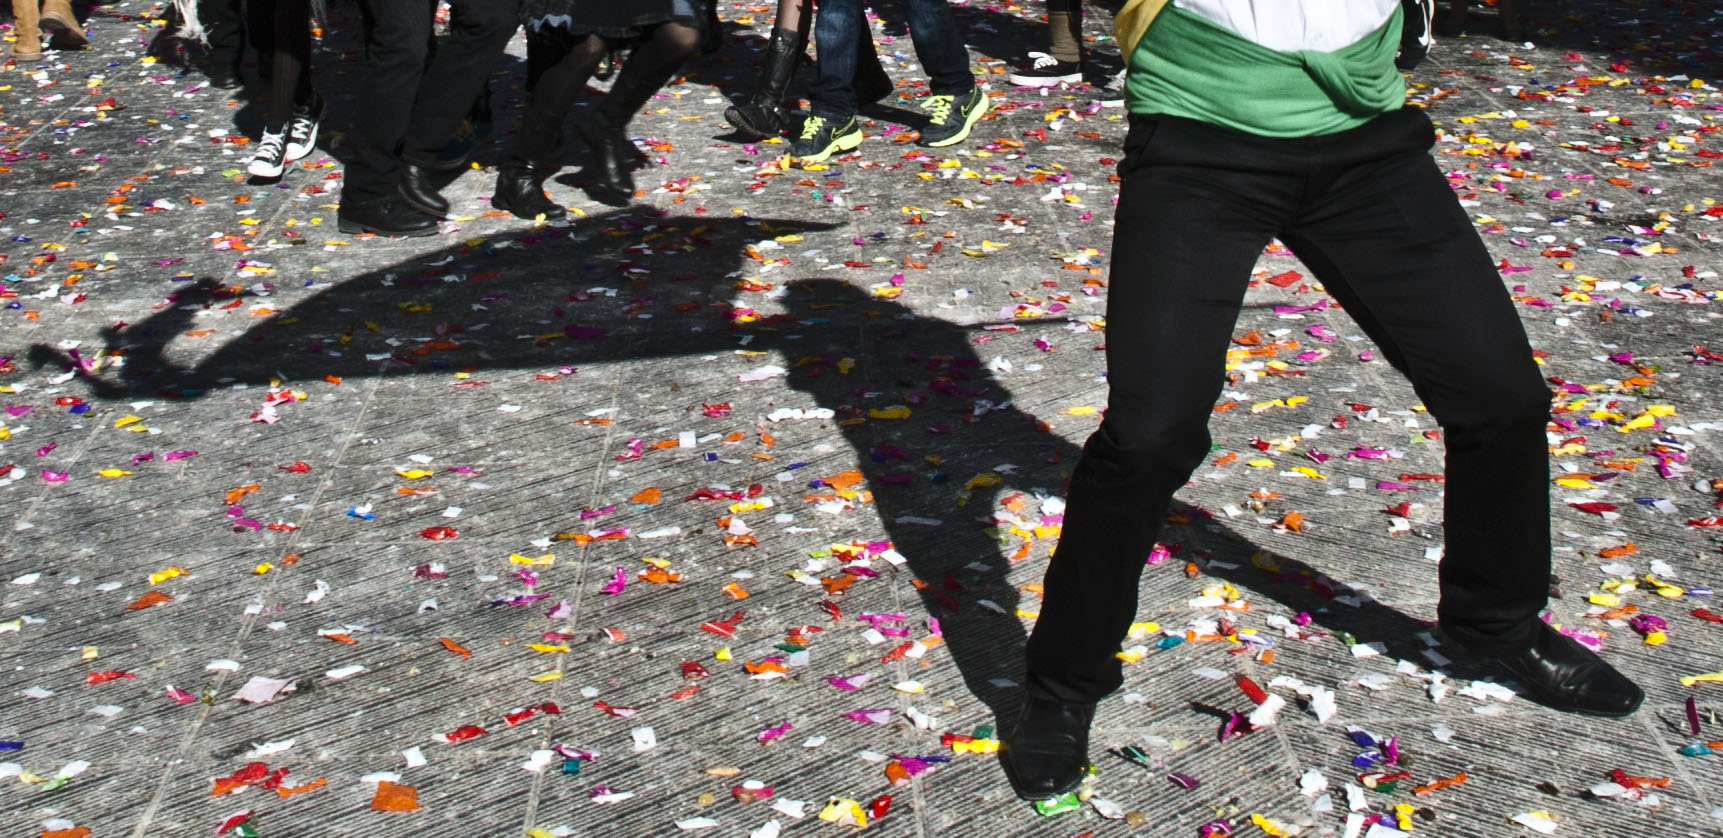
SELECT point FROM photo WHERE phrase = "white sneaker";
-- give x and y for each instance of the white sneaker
(270, 159)
(1113, 95)
(302, 129)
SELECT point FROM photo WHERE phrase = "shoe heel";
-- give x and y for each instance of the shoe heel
(848, 141)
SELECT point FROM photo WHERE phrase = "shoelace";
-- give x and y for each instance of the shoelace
(941, 107)
(299, 128)
(272, 146)
(811, 128)
(1042, 59)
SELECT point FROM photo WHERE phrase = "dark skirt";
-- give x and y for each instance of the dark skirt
(607, 18)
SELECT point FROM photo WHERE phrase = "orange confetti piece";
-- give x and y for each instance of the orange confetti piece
(1292, 521)
(394, 797)
(234, 495)
(314, 785)
(74, 832)
(647, 495)
(343, 638)
(451, 645)
(1627, 549)
(149, 599)
(843, 480)
(1440, 783)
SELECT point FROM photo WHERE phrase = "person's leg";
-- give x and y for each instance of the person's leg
(1065, 30)
(520, 181)
(832, 96)
(1197, 205)
(956, 102)
(763, 115)
(27, 28)
(479, 30)
(289, 59)
(224, 26)
(653, 61)
(395, 42)
(1387, 239)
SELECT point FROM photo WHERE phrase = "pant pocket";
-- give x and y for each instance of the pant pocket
(1143, 129)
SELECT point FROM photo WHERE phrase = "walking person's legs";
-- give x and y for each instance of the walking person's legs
(955, 102)
(27, 30)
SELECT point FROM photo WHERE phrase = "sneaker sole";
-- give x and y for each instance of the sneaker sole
(843, 143)
(968, 125)
(1045, 81)
(355, 228)
(265, 170)
(63, 34)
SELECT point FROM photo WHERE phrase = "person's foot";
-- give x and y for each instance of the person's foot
(952, 117)
(1047, 751)
(474, 130)
(520, 190)
(63, 29)
(822, 137)
(613, 153)
(1113, 95)
(1415, 34)
(385, 217)
(1046, 71)
(302, 128)
(270, 158)
(166, 47)
(419, 193)
(1561, 674)
(757, 119)
(223, 77)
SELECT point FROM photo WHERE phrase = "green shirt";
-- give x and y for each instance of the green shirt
(1188, 66)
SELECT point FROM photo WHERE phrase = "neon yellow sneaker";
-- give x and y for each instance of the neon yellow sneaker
(821, 138)
(952, 117)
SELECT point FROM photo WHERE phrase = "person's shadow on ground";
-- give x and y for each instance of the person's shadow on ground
(548, 298)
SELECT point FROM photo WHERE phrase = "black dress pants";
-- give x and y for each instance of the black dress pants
(409, 110)
(1368, 211)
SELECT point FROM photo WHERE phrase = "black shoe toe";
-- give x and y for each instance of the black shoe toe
(1559, 673)
(1047, 752)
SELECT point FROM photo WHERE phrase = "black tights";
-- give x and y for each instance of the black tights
(654, 59)
(290, 76)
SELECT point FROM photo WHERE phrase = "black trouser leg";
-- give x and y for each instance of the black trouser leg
(479, 30)
(1373, 217)
(396, 33)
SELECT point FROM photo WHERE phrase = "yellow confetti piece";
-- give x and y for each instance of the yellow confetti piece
(164, 575)
(114, 472)
(89, 653)
(263, 568)
(1261, 462)
(722, 654)
(546, 559)
(1085, 410)
(548, 648)
(127, 420)
(1605, 600)
(1309, 472)
(894, 412)
(545, 677)
(414, 473)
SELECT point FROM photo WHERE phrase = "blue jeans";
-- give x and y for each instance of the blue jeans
(837, 28)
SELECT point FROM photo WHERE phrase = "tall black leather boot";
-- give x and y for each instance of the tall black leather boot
(520, 181)
(764, 114)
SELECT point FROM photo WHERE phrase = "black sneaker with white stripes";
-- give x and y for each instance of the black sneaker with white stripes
(302, 128)
(270, 159)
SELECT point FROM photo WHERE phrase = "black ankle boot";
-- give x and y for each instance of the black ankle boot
(1047, 751)
(520, 190)
(612, 154)
(1556, 671)
(764, 114)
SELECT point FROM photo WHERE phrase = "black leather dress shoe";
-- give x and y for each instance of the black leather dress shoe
(387, 217)
(1047, 752)
(1561, 674)
(416, 189)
